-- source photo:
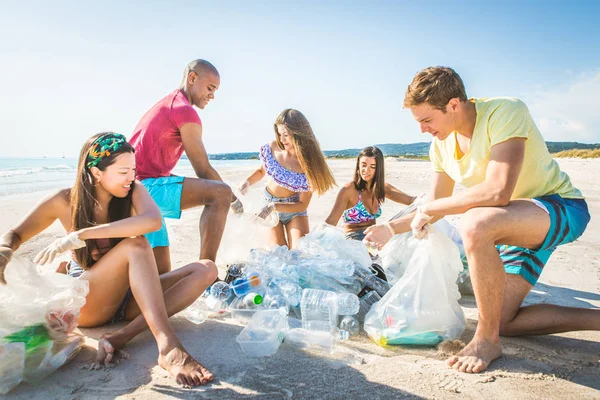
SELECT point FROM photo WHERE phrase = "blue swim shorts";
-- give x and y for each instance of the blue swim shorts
(285, 217)
(568, 220)
(166, 192)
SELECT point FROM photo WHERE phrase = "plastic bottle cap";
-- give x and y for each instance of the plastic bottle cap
(258, 299)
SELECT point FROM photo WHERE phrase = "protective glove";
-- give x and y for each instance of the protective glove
(237, 207)
(419, 222)
(59, 246)
(6, 254)
(243, 189)
(378, 235)
(266, 211)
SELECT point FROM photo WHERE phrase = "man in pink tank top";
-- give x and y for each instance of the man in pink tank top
(169, 128)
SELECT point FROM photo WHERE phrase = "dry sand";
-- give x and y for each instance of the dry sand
(554, 366)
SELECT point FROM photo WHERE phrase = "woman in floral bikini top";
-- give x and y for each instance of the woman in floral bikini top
(296, 167)
(359, 201)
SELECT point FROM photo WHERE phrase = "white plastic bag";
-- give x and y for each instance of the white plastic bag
(396, 254)
(422, 308)
(38, 317)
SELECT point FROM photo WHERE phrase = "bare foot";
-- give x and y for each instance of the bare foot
(476, 356)
(186, 371)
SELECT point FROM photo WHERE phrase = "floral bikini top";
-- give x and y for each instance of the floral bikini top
(294, 181)
(359, 213)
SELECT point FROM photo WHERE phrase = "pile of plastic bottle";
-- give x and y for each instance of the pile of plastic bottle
(312, 296)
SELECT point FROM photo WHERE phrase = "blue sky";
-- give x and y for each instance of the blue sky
(69, 71)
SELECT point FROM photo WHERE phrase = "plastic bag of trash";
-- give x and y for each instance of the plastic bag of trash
(38, 318)
(422, 308)
(397, 253)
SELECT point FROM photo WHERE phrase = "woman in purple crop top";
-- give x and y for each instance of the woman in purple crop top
(106, 214)
(359, 201)
(296, 168)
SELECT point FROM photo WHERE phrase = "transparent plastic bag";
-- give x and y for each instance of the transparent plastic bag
(396, 254)
(422, 308)
(38, 318)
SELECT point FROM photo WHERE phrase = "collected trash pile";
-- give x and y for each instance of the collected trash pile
(38, 317)
(330, 288)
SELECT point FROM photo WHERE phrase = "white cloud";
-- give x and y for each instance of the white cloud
(568, 112)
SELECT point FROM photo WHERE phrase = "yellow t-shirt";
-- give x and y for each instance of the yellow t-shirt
(500, 119)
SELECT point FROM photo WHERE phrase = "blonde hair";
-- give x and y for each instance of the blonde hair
(435, 86)
(311, 158)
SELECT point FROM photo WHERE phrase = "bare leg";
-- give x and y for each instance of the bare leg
(297, 228)
(181, 288)
(277, 235)
(541, 319)
(215, 196)
(162, 255)
(521, 223)
(131, 263)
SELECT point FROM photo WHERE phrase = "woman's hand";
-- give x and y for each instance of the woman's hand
(378, 235)
(237, 207)
(243, 189)
(59, 246)
(266, 211)
(6, 254)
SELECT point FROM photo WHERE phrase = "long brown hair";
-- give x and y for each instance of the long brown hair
(311, 158)
(378, 182)
(83, 198)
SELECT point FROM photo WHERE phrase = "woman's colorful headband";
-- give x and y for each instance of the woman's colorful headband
(103, 146)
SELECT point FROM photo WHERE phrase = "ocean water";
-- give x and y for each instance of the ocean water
(30, 175)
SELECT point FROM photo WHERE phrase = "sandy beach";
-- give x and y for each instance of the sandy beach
(554, 366)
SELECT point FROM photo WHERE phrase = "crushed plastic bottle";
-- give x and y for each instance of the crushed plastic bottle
(350, 324)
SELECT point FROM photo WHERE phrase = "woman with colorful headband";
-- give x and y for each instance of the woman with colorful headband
(105, 214)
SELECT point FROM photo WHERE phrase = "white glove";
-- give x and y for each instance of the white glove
(59, 246)
(243, 189)
(237, 207)
(266, 211)
(377, 236)
(419, 222)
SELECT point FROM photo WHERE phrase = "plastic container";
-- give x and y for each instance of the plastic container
(264, 333)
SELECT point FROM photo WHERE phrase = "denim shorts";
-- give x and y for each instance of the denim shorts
(356, 235)
(285, 217)
(568, 220)
(75, 270)
(166, 193)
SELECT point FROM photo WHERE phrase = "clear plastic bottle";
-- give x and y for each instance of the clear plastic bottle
(252, 300)
(366, 302)
(303, 338)
(291, 292)
(220, 290)
(321, 308)
(350, 324)
(197, 312)
(348, 303)
(242, 286)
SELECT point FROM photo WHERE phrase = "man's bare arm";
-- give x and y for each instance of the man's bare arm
(504, 167)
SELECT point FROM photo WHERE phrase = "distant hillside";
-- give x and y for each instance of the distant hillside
(398, 150)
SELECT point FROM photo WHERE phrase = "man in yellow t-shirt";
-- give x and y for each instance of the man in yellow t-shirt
(518, 207)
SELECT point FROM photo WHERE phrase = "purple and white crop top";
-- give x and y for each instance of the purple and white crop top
(291, 180)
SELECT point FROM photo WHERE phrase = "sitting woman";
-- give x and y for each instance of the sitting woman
(296, 167)
(105, 215)
(359, 201)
